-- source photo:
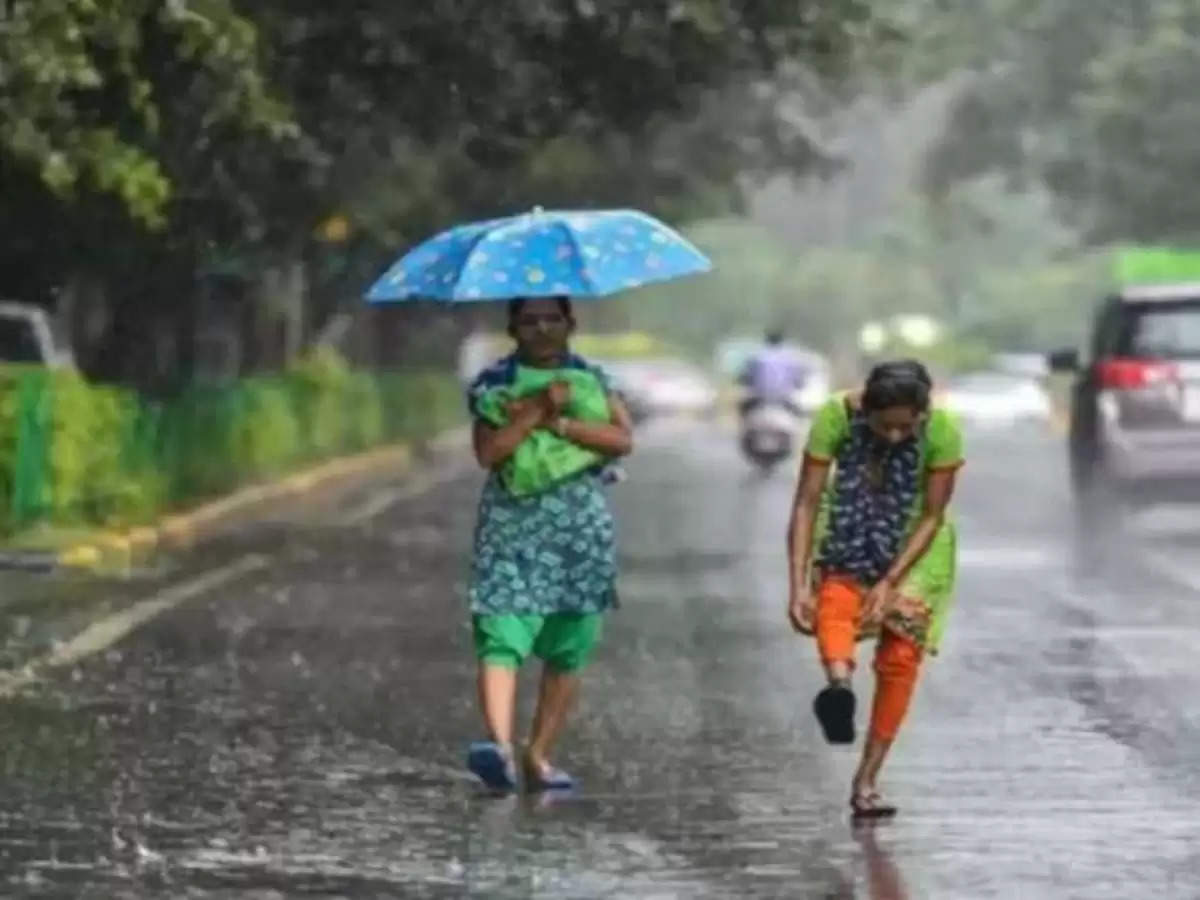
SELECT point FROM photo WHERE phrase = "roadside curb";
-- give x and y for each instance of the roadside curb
(29, 560)
(120, 551)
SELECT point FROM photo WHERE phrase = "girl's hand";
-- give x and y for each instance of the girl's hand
(802, 612)
(876, 602)
(910, 609)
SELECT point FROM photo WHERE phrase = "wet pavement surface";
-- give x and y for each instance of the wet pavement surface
(300, 732)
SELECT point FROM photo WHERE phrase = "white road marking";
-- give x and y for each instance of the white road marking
(1170, 565)
(102, 634)
(1176, 520)
(384, 500)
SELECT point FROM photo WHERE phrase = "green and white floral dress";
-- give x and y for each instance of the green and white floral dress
(547, 551)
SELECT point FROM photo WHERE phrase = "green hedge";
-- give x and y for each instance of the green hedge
(72, 453)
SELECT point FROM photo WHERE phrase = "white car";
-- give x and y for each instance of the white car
(997, 400)
(663, 386)
(816, 390)
(28, 335)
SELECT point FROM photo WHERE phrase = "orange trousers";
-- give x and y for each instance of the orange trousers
(897, 659)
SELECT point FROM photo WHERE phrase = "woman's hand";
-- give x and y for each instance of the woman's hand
(802, 612)
(542, 407)
(613, 438)
(877, 601)
(495, 445)
(557, 396)
(527, 409)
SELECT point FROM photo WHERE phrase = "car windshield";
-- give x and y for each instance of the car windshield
(618, 368)
(988, 383)
(1162, 331)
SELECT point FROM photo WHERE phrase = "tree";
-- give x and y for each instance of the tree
(992, 265)
(90, 84)
(123, 131)
(156, 140)
(432, 113)
(1096, 100)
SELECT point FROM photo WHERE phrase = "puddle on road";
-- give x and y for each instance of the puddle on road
(1009, 557)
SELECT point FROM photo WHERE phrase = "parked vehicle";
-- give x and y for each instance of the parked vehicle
(997, 400)
(27, 336)
(626, 380)
(662, 387)
(1030, 365)
(818, 384)
(1135, 400)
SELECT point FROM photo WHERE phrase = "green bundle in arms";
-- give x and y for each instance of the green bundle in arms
(544, 459)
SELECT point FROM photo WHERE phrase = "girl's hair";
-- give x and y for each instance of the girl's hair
(904, 382)
(515, 306)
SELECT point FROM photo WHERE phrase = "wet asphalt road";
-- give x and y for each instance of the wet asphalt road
(299, 733)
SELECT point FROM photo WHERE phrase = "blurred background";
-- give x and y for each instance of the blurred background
(194, 197)
(197, 193)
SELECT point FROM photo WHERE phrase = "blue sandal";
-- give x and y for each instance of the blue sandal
(548, 779)
(493, 765)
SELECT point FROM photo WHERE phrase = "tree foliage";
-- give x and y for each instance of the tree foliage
(992, 265)
(145, 141)
(1094, 98)
(94, 91)
(157, 102)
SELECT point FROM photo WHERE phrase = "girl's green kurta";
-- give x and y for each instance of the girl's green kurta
(932, 579)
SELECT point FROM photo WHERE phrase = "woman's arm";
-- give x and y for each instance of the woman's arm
(937, 498)
(804, 517)
(495, 445)
(612, 438)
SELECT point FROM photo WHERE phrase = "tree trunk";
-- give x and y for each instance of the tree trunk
(294, 292)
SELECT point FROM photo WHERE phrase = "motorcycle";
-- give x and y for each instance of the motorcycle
(768, 433)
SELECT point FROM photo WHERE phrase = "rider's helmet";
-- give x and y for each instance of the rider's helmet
(775, 337)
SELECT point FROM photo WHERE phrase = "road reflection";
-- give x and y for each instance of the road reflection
(884, 879)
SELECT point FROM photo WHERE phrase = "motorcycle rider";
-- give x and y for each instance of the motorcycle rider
(772, 376)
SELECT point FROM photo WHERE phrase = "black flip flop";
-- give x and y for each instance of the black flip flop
(870, 807)
(834, 708)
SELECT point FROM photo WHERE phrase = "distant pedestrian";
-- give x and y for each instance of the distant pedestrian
(544, 567)
(872, 551)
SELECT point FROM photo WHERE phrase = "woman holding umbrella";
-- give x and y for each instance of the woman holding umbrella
(544, 570)
(545, 425)
(872, 551)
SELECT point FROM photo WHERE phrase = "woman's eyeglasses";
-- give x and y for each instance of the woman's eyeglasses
(533, 320)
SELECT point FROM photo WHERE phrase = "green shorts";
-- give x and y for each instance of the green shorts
(564, 641)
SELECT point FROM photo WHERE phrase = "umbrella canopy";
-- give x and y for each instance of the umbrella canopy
(541, 254)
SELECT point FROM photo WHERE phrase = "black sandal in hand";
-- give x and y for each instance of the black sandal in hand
(834, 709)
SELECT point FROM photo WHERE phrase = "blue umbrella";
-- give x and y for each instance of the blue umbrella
(541, 254)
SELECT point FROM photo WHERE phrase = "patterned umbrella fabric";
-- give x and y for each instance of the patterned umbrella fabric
(541, 254)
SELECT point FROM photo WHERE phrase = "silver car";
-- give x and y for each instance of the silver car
(1135, 399)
